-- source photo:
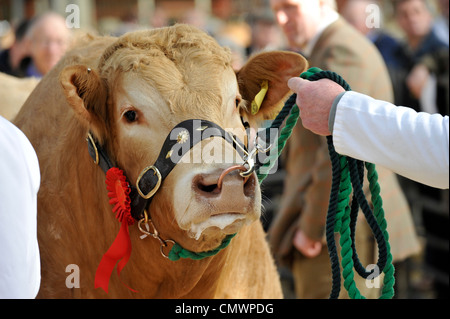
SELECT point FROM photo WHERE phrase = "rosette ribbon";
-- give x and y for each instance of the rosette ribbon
(120, 250)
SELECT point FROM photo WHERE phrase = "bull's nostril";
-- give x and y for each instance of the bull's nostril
(204, 186)
(224, 183)
(208, 188)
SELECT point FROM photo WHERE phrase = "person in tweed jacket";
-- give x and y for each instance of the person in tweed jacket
(296, 235)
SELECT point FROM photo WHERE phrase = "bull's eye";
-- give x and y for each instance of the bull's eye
(238, 101)
(131, 116)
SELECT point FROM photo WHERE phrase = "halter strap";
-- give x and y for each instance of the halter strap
(178, 142)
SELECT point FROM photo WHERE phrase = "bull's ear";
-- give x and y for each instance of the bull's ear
(86, 93)
(265, 77)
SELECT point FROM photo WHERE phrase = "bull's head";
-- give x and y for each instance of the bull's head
(149, 81)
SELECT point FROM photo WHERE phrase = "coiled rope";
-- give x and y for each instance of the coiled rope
(347, 175)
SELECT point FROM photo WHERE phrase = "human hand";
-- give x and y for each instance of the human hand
(307, 246)
(417, 79)
(314, 99)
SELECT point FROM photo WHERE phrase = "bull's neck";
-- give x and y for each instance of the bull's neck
(160, 277)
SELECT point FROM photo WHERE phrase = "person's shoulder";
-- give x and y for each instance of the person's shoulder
(343, 42)
(341, 31)
(340, 36)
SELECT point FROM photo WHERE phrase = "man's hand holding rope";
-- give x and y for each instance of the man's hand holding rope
(315, 99)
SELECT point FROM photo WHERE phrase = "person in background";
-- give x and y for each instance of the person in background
(49, 40)
(128, 23)
(357, 12)
(441, 25)
(236, 36)
(266, 34)
(296, 235)
(428, 82)
(14, 61)
(415, 19)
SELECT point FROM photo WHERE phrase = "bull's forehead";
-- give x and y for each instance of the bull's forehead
(174, 96)
(188, 69)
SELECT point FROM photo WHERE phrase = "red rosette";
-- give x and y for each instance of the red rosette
(119, 194)
(120, 250)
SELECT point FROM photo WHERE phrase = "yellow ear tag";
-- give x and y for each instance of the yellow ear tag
(259, 98)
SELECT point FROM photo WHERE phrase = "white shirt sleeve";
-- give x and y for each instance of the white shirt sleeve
(414, 145)
(20, 272)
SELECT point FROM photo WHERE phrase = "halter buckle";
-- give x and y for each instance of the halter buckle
(158, 184)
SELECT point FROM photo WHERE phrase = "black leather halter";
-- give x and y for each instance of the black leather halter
(178, 142)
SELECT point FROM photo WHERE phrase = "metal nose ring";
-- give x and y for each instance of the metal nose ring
(229, 170)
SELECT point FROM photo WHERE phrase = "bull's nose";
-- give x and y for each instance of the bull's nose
(225, 188)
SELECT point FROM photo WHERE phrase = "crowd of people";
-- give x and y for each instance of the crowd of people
(410, 71)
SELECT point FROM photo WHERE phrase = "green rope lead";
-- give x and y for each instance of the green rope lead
(389, 270)
(341, 217)
(285, 133)
(178, 252)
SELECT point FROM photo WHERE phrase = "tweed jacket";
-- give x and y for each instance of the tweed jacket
(304, 203)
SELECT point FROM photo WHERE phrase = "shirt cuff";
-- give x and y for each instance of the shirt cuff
(332, 115)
